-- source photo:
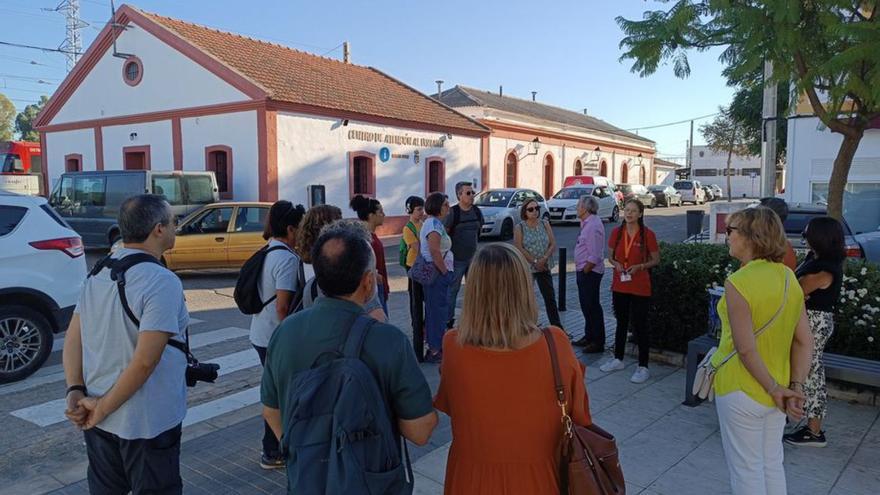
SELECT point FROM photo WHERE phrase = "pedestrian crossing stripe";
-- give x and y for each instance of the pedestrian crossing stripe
(58, 344)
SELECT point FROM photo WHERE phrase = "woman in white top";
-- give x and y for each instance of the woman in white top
(278, 282)
(435, 247)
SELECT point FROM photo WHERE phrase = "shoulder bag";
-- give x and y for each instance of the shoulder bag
(588, 460)
(704, 380)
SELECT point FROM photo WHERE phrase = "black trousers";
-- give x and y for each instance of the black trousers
(589, 285)
(144, 466)
(417, 316)
(632, 309)
(545, 285)
(270, 441)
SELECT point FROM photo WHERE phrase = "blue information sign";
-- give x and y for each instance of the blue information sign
(384, 154)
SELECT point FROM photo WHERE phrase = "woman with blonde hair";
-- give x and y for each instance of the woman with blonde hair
(764, 353)
(497, 384)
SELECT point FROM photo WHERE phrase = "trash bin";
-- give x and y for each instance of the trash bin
(714, 325)
(695, 222)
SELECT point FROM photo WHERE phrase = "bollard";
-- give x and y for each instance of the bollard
(563, 264)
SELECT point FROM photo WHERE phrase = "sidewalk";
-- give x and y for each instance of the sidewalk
(665, 448)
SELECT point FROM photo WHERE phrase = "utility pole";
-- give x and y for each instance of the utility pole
(768, 127)
(690, 157)
(72, 45)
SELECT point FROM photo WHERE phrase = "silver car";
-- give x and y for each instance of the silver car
(500, 208)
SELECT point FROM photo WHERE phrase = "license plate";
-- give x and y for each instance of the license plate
(556, 215)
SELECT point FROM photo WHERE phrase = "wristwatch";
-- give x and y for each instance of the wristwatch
(73, 388)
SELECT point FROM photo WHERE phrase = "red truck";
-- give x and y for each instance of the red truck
(21, 167)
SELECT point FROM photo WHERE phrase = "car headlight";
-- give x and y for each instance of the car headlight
(571, 208)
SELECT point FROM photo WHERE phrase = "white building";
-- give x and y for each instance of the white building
(536, 145)
(269, 120)
(710, 167)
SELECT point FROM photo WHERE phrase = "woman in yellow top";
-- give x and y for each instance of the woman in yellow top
(763, 381)
(415, 206)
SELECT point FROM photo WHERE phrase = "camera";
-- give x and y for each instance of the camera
(200, 372)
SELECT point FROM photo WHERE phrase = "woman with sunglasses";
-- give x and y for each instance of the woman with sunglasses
(534, 239)
(820, 276)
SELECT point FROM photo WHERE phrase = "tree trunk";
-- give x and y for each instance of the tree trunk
(729, 159)
(840, 172)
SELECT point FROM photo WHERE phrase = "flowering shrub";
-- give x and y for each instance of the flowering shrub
(680, 304)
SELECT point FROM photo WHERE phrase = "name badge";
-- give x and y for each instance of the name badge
(625, 277)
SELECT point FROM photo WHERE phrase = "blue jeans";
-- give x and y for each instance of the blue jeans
(437, 310)
(460, 269)
(382, 300)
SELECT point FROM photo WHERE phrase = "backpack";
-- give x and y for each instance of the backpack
(300, 298)
(456, 218)
(247, 293)
(339, 436)
(403, 248)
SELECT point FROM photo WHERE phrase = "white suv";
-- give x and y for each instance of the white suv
(691, 191)
(42, 269)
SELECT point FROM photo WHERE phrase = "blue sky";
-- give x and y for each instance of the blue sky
(565, 50)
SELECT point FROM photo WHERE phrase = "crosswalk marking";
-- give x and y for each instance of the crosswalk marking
(58, 344)
(54, 373)
(52, 412)
(214, 408)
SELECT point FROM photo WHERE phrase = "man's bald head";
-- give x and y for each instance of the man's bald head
(341, 257)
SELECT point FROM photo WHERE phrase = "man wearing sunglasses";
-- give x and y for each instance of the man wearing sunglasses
(463, 224)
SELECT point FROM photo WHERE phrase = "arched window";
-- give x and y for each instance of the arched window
(218, 159)
(642, 176)
(624, 173)
(578, 167)
(435, 175)
(362, 173)
(603, 169)
(510, 170)
(73, 162)
(548, 175)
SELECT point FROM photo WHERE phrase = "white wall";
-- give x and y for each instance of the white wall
(58, 144)
(314, 150)
(704, 158)
(155, 134)
(236, 130)
(170, 81)
(810, 159)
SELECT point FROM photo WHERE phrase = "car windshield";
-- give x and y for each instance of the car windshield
(684, 184)
(797, 221)
(573, 192)
(657, 188)
(493, 198)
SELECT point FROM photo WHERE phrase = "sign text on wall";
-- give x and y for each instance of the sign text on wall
(379, 137)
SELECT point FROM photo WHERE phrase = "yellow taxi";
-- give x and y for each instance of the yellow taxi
(220, 235)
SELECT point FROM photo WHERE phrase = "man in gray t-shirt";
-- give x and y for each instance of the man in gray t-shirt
(463, 223)
(126, 384)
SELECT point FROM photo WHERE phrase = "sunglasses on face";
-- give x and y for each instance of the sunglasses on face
(730, 230)
(532, 209)
(469, 193)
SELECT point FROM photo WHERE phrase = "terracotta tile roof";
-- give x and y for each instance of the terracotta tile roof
(293, 76)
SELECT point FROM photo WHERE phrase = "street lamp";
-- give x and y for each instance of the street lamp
(535, 146)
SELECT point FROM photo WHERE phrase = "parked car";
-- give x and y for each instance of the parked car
(563, 205)
(665, 195)
(710, 193)
(639, 192)
(500, 209)
(691, 191)
(717, 191)
(210, 238)
(858, 244)
(42, 268)
(89, 201)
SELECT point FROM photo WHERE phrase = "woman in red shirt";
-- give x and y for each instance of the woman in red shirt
(634, 252)
(370, 211)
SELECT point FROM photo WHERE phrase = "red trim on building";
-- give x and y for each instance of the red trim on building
(45, 153)
(484, 163)
(578, 167)
(99, 148)
(78, 158)
(371, 173)
(176, 143)
(511, 151)
(140, 75)
(229, 175)
(145, 149)
(603, 168)
(624, 172)
(509, 131)
(442, 174)
(548, 191)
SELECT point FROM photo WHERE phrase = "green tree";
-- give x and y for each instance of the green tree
(829, 50)
(726, 135)
(7, 113)
(746, 108)
(24, 121)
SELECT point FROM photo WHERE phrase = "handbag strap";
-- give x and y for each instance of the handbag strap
(557, 374)
(766, 325)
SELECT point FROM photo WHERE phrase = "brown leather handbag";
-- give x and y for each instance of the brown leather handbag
(588, 462)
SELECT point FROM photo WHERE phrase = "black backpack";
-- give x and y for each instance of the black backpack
(247, 293)
(456, 219)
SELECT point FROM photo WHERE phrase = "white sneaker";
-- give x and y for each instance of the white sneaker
(641, 375)
(613, 365)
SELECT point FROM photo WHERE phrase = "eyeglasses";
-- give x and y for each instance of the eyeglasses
(532, 209)
(729, 230)
(469, 193)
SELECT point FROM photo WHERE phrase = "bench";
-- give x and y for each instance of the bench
(837, 367)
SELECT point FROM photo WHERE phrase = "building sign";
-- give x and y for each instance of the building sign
(384, 154)
(379, 137)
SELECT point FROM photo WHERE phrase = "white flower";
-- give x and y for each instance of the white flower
(851, 294)
(675, 264)
(843, 299)
(870, 338)
(860, 323)
(862, 292)
(864, 271)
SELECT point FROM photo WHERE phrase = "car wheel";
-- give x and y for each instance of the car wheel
(615, 214)
(507, 229)
(652, 204)
(25, 342)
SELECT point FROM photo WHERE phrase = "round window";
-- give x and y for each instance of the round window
(132, 71)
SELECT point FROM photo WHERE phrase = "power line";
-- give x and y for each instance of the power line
(41, 48)
(673, 123)
(37, 80)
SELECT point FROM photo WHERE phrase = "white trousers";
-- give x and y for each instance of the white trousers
(751, 434)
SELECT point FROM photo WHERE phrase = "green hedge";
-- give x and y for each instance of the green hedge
(680, 306)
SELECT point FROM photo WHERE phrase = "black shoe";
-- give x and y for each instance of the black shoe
(806, 438)
(272, 462)
(593, 348)
(581, 342)
(434, 357)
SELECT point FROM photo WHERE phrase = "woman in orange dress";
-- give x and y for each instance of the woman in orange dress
(497, 384)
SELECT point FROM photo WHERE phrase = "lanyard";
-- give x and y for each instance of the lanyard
(627, 246)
